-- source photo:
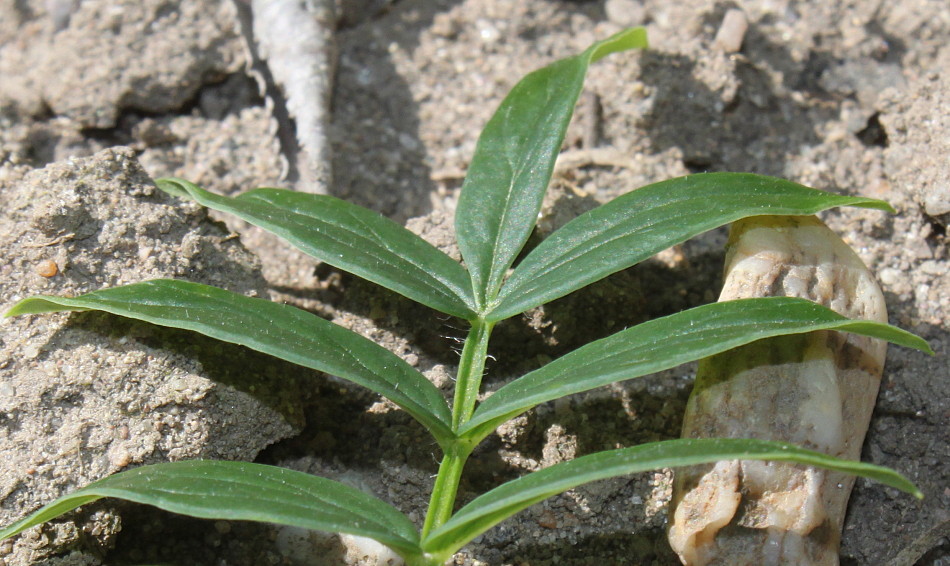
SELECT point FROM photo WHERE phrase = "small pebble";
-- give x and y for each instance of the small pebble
(547, 520)
(445, 26)
(732, 31)
(625, 13)
(889, 276)
(61, 11)
(931, 267)
(120, 459)
(488, 31)
(937, 200)
(47, 268)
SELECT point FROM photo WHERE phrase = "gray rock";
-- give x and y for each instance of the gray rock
(79, 64)
(86, 395)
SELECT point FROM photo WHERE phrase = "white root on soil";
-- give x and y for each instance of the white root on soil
(294, 38)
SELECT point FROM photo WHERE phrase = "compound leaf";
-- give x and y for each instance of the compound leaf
(244, 491)
(351, 238)
(641, 223)
(280, 330)
(513, 162)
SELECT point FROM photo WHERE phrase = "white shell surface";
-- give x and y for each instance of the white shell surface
(815, 390)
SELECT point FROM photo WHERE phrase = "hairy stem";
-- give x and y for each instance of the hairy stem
(442, 502)
(471, 369)
(467, 385)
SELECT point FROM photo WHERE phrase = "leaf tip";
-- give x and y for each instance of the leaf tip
(19, 308)
(630, 38)
(175, 186)
(916, 342)
(40, 304)
(876, 204)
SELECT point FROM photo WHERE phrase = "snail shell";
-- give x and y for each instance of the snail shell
(815, 390)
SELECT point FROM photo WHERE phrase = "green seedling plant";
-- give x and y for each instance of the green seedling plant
(497, 210)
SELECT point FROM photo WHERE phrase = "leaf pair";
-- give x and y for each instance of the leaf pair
(602, 241)
(255, 492)
(300, 337)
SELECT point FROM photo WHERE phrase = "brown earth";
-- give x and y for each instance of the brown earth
(846, 96)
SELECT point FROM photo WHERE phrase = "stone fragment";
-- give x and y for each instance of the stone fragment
(814, 390)
(85, 395)
(626, 13)
(92, 59)
(732, 31)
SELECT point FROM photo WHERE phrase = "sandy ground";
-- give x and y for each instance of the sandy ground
(850, 97)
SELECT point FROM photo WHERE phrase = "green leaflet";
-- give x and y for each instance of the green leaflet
(641, 223)
(244, 491)
(349, 237)
(668, 342)
(506, 500)
(279, 330)
(513, 162)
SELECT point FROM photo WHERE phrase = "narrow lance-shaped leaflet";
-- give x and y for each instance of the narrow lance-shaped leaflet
(280, 330)
(665, 343)
(513, 162)
(351, 238)
(244, 491)
(504, 501)
(641, 223)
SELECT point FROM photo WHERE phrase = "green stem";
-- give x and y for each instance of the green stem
(442, 502)
(471, 369)
(424, 560)
(467, 385)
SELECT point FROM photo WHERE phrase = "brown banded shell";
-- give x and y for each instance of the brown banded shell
(815, 390)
